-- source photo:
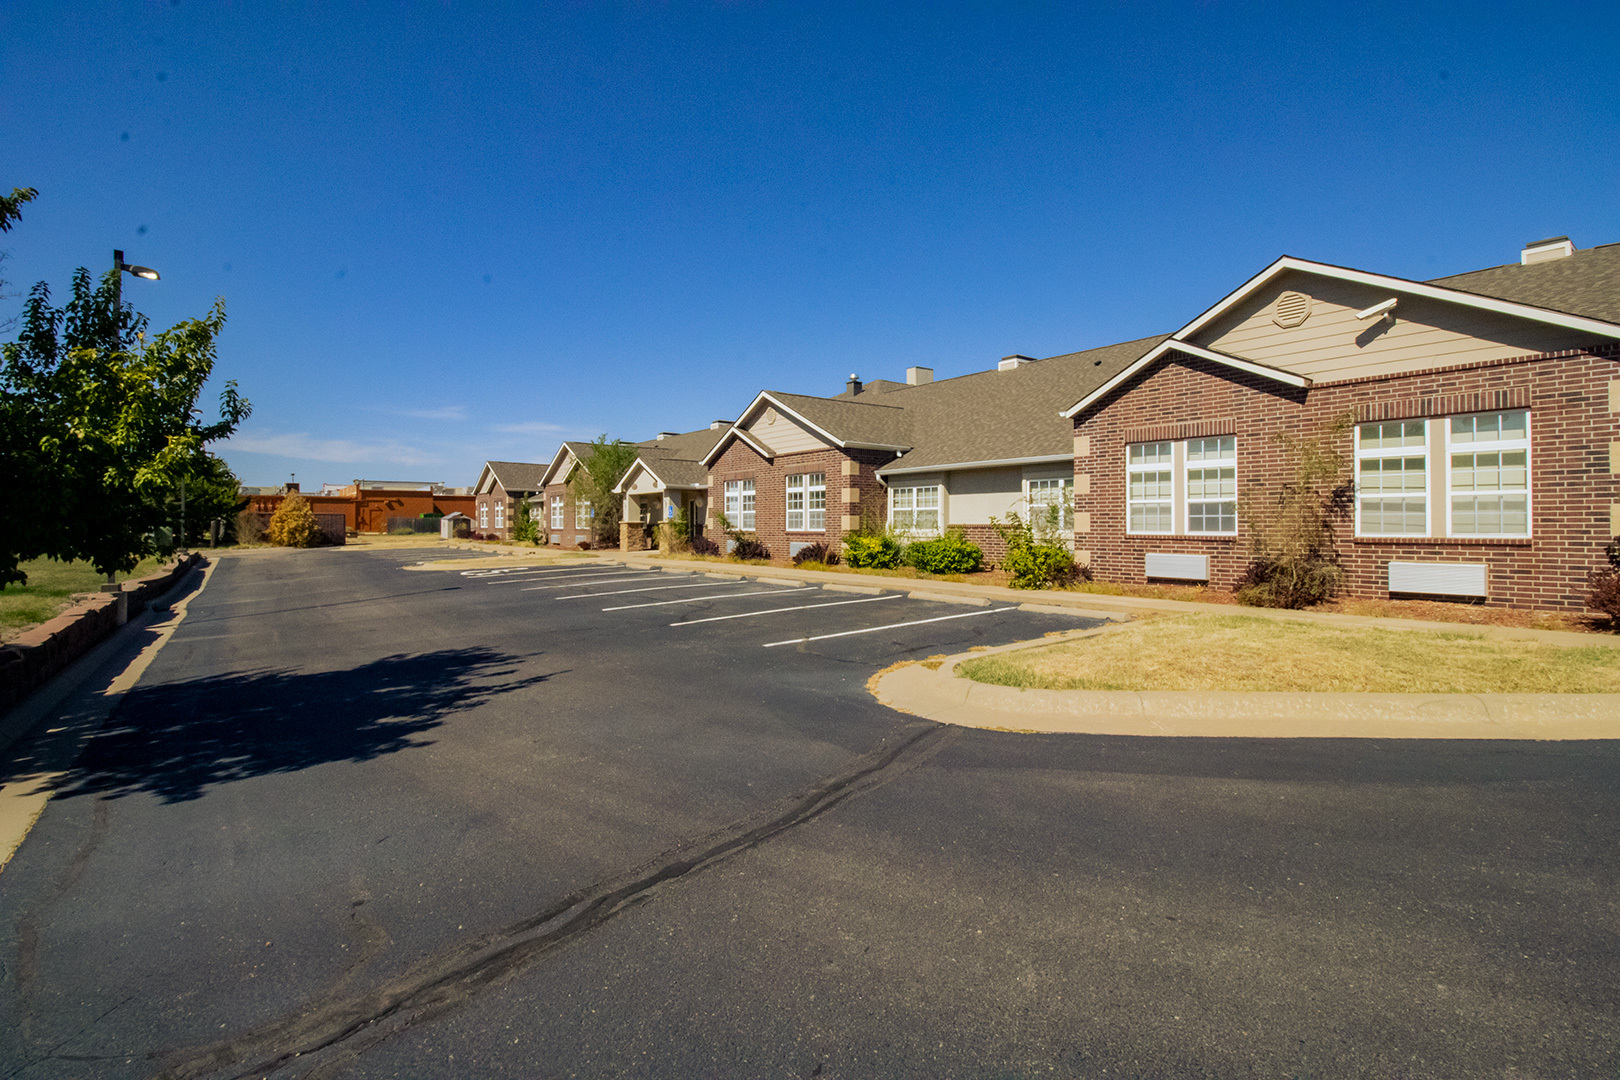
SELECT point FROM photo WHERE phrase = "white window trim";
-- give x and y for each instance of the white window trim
(483, 515)
(1177, 454)
(1065, 499)
(1428, 478)
(1184, 453)
(738, 512)
(938, 508)
(556, 511)
(807, 489)
(1489, 448)
(500, 514)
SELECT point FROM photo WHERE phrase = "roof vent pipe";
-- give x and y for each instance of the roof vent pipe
(1013, 362)
(917, 376)
(853, 387)
(1546, 250)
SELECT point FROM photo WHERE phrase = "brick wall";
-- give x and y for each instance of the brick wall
(740, 461)
(1572, 487)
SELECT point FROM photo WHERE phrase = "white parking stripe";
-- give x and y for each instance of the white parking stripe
(699, 599)
(778, 611)
(574, 583)
(891, 626)
(621, 592)
(573, 576)
(590, 568)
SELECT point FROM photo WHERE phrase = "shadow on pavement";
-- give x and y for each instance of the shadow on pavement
(177, 740)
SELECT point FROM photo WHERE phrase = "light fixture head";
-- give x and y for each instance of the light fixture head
(1378, 309)
(143, 272)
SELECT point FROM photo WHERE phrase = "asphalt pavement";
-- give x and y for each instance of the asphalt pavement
(359, 820)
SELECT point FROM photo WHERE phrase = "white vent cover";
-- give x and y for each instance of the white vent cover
(1293, 308)
(770, 416)
(1176, 567)
(1437, 579)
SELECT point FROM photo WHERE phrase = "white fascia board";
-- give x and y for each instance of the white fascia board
(1400, 285)
(997, 463)
(823, 432)
(556, 460)
(487, 473)
(735, 432)
(1172, 345)
(875, 446)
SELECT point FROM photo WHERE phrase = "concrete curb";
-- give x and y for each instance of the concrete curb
(941, 696)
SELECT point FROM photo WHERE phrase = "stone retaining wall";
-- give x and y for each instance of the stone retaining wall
(38, 654)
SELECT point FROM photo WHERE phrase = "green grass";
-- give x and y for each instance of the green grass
(50, 590)
(1249, 653)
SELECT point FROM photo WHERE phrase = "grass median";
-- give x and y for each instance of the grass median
(1249, 653)
(50, 590)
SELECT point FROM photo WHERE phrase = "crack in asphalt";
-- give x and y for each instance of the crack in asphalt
(338, 1029)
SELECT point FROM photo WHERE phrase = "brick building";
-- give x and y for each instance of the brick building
(501, 486)
(1478, 414)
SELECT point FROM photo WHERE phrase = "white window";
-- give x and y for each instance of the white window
(1212, 485)
(1392, 478)
(556, 511)
(1150, 487)
(583, 513)
(740, 504)
(915, 509)
(500, 515)
(1489, 474)
(807, 502)
(1056, 492)
(483, 515)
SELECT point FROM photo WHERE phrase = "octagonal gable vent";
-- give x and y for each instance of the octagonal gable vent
(1293, 308)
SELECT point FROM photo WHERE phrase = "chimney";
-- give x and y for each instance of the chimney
(1546, 250)
(662, 435)
(854, 384)
(917, 376)
(1013, 362)
(718, 424)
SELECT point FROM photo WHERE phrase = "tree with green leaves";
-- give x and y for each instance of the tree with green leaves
(525, 527)
(1293, 560)
(593, 482)
(103, 423)
(209, 492)
(10, 213)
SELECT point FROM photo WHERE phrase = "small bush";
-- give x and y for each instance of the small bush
(293, 524)
(952, 553)
(584, 545)
(525, 526)
(872, 551)
(816, 553)
(1290, 582)
(1037, 560)
(749, 548)
(249, 527)
(702, 545)
(1603, 586)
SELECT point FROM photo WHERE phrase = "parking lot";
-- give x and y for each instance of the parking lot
(857, 622)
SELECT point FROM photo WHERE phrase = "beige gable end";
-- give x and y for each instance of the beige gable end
(1331, 343)
(785, 436)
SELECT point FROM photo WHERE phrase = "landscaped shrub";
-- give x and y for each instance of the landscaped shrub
(249, 527)
(749, 548)
(875, 551)
(816, 553)
(702, 545)
(1293, 563)
(952, 553)
(1037, 560)
(293, 524)
(584, 545)
(525, 526)
(1603, 586)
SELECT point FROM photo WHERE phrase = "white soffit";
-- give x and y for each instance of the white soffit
(1170, 345)
(1400, 285)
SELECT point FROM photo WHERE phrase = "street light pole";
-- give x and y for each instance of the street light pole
(120, 267)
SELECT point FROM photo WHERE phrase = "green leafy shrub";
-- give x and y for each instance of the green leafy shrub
(874, 551)
(525, 527)
(816, 553)
(1603, 586)
(952, 553)
(1037, 559)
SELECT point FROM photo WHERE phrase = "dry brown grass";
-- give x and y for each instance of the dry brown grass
(1250, 653)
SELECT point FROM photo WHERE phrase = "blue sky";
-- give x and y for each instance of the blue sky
(448, 232)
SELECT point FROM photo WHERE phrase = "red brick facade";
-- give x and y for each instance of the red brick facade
(739, 461)
(565, 535)
(1571, 485)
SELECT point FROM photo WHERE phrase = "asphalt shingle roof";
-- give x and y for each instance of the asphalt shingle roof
(1585, 283)
(518, 475)
(883, 423)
